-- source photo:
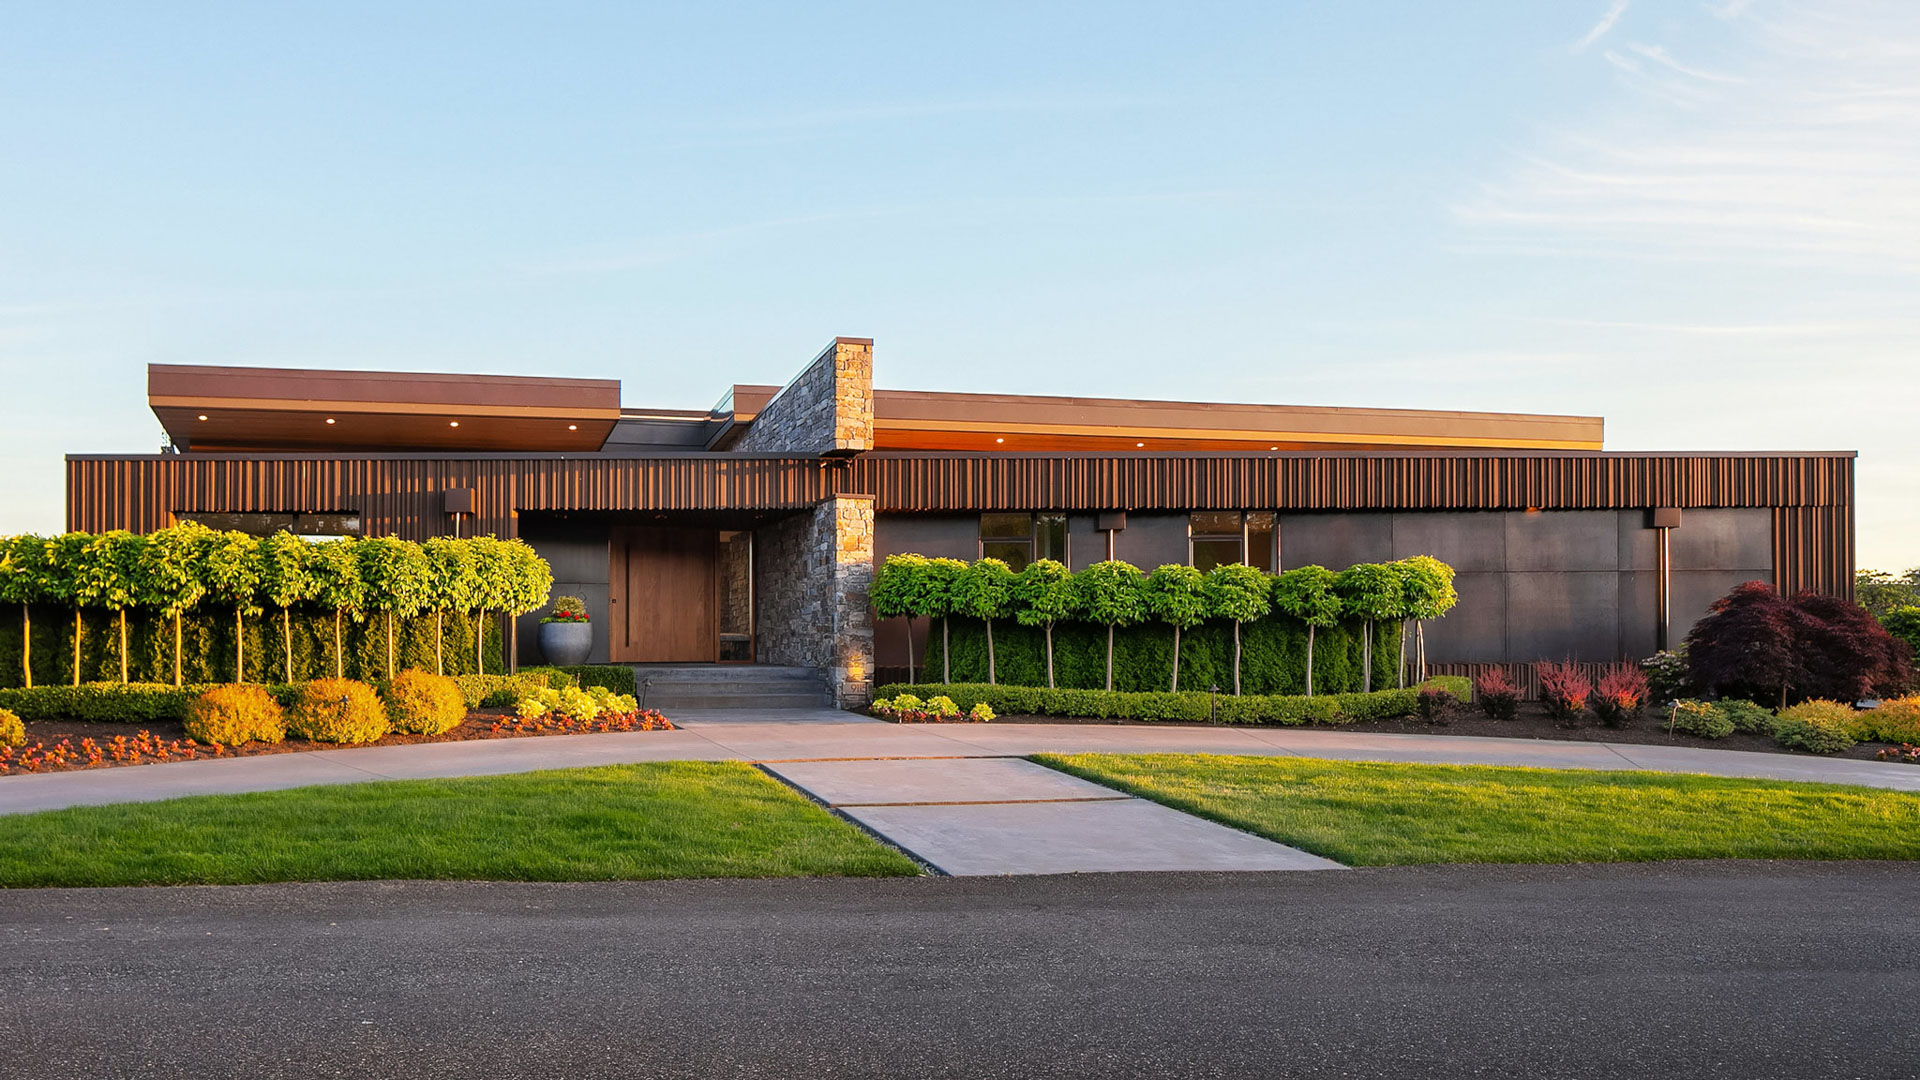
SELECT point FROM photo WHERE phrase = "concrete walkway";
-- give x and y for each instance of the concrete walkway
(955, 794)
(970, 816)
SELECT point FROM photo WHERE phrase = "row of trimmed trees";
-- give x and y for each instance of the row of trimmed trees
(188, 567)
(1115, 594)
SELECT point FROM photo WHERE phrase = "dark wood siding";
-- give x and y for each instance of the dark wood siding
(1811, 494)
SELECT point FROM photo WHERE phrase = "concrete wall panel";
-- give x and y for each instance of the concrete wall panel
(1469, 543)
(1476, 629)
(1560, 540)
(1335, 541)
(1552, 616)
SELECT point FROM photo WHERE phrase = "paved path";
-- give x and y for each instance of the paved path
(1755, 971)
(970, 816)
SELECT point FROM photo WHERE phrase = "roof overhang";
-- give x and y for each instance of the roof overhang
(209, 408)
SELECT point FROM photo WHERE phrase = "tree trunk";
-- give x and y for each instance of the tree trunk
(123, 646)
(479, 640)
(286, 639)
(239, 647)
(76, 646)
(1401, 667)
(1176, 658)
(439, 643)
(26, 646)
(909, 649)
(1366, 655)
(1310, 629)
(389, 646)
(1049, 656)
(1236, 658)
(339, 661)
(992, 675)
(946, 653)
(1420, 649)
(176, 649)
(1109, 658)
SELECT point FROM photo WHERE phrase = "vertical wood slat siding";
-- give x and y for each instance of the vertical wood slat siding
(1811, 495)
(1454, 482)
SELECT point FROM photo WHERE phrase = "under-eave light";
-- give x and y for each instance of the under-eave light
(1139, 444)
(329, 419)
(573, 427)
(203, 416)
(453, 423)
(996, 440)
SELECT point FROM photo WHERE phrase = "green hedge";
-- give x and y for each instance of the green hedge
(207, 653)
(1273, 656)
(137, 703)
(1186, 705)
(615, 677)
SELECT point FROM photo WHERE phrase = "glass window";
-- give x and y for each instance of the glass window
(1224, 523)
(1260, 539)
(1208, 554)
(1050, 537)
(1015, 553)
(325, 524)
(1006, 526)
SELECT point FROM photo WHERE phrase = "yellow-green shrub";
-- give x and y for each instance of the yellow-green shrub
(1896, 721)
(1818, 727)
(1700, 718)
(337, 711)
(574, 703)
(12, 731)
(234, 714)
(422, 703)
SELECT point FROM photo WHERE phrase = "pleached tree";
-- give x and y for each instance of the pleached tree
(941, 598)
(281, 562)
(1306, 593)
(898, 593)
(1043, 596)
(1109, 593)
(24, 580)
(170, 581)
(1176, 595)
(225, 565)
(985, 592)
(1239, 593)
(333, 570)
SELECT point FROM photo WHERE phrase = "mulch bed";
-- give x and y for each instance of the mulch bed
(66, 746)
(1531, 723)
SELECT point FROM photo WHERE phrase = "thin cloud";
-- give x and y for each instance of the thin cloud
(1797, 144)
(1605, 24)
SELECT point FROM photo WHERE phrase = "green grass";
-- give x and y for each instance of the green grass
(1372, 814)
(620, 822)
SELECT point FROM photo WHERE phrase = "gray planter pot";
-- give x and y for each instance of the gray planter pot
(566, 643)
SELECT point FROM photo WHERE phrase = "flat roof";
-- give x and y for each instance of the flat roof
(934, 420)
(251, 408)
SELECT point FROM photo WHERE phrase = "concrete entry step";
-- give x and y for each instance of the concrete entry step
(968, 816)
(730, 686)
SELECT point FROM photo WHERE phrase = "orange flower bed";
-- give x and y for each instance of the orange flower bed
(554, 724)
(88, 753)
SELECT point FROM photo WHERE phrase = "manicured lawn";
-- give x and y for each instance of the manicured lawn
(1372, 814)
(618, 822)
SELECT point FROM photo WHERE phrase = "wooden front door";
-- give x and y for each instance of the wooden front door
(664, 595)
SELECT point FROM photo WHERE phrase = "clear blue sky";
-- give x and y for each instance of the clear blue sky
(1700, 220)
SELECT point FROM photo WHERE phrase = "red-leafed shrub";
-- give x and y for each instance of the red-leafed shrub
(1436, 704)
(1761, 646)
(1497, 695)
(1564, 688)
(1619, 694)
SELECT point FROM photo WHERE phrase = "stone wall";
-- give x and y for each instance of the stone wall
(826, 409)
(812, 572)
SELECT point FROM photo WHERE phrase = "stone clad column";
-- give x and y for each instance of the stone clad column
(849, 521)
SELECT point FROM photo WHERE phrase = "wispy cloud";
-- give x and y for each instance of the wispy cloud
(1796, 139)
(1605, 24)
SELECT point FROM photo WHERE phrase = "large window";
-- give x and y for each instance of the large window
(318, 525)
(1218, 537)
(1018, 539)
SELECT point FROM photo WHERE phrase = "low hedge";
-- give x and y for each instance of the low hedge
(129, 703)
(615, 677)
(1187, 705)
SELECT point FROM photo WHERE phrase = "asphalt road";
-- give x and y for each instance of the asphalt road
(1681, 970)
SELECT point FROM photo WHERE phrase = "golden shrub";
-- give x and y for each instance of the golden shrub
(234, 714)
(12, 731)
(420, 703)
(338, 711)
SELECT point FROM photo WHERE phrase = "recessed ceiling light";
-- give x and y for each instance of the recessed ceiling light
(573, 427)
(1273, 448)
(996, 440)
(203, 416)
(453, 423)
(329, 419)
(1139, 444)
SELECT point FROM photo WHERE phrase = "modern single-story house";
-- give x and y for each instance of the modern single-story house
(748, 532)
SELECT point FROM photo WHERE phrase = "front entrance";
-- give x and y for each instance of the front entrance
(663, 595)
(679, 595)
